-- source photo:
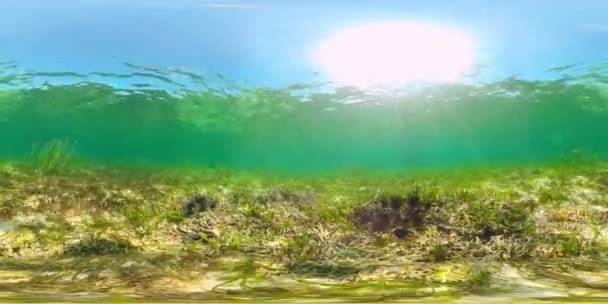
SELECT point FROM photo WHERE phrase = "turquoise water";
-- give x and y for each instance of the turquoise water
(214, 98)
(170, 116)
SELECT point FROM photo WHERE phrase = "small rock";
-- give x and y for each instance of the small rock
(128, 264)
(5, 227)
(37, 221)
(426, 291)
(83, 276)
(600, 209)
(540, 217)
(580, 292)
(33, 201)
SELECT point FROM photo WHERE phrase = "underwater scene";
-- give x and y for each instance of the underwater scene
(303, 152)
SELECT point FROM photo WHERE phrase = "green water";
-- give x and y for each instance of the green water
(166, 116)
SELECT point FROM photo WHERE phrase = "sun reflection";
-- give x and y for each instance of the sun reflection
(395, 53)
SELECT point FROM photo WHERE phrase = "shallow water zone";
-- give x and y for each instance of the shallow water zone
(163, 185)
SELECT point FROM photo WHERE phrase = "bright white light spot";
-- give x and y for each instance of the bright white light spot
(395, 53)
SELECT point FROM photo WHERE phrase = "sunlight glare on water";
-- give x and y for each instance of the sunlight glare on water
(395, 53)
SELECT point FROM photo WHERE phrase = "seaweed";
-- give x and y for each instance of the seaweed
(400, 214)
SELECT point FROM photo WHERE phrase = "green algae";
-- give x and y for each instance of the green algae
(268, 237)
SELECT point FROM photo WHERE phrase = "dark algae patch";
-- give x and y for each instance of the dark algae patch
(198, 203)
(400, 214)
(99, 246)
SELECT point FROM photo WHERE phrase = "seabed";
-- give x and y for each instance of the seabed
(523, 234)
